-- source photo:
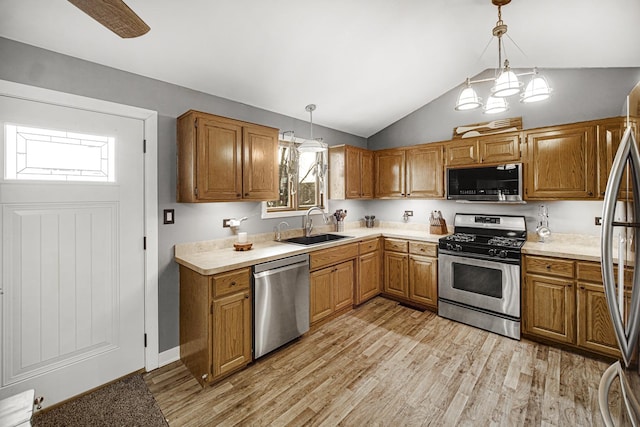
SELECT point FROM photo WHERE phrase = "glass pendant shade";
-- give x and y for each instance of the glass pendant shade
(495, 105)
(312, 146)
(468, 100)
(537, 90)
(507, 84)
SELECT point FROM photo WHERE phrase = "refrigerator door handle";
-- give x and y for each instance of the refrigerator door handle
(631, 404)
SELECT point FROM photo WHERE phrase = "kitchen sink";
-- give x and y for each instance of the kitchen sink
(312, 240)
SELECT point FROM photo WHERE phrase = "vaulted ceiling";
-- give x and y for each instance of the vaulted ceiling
(365, 63)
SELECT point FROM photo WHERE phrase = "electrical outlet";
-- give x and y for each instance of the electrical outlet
(598, 220)
(225, 223)
(409, 213)
(169, 216)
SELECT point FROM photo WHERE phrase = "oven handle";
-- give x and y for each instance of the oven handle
(478, 256)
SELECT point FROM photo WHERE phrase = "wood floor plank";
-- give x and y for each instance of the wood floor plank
(386, 364)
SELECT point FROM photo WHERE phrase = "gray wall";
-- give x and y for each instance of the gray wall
(579, 95)
(30, 65)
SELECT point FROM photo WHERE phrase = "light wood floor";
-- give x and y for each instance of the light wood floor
(386, 364)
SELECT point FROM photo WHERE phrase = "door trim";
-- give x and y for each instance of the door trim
(150, 120)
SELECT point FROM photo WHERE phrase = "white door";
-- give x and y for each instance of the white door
(72, 200)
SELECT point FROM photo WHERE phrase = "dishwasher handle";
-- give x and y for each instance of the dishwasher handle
(280, 269)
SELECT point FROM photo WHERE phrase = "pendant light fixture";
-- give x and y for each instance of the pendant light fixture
(312, 145)
(506, 83)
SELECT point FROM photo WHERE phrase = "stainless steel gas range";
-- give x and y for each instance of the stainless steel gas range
(479, 272)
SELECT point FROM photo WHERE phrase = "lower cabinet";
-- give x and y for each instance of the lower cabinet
(565, 302)
(332, 281)
(411, 272)
(215, 322)
(369, 282)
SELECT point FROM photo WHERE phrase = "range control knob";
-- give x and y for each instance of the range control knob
(503, 253)
(493, 252)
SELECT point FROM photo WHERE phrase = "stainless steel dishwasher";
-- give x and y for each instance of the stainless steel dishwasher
(280, 302)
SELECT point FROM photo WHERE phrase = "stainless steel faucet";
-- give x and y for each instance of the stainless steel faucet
(308, 222)
(278, 230)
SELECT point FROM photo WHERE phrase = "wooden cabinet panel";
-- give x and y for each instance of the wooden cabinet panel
(219, 165)
(595, 331)
(390, 173)
(231, 282)
(351, 172)
(549, 266)
(609, 137)
(425, 173)
(561, 163)
(423, 248)
(221, 159)
(260, 163)
(500, 149)
(462, 153)
(369, 246)
(550, 308)
(231, 325)
(423, 280)
(368, 276)
(396, 274)
(334, 255)
(321, 303)
(343, 281)
(396, 245)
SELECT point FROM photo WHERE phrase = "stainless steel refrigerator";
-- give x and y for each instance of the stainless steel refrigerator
(619, 391)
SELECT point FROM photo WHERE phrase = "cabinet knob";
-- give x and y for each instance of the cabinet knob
(246, 194)
(548, 266)
(582, 287)
(602, 193)
(246, 296)
(569, 285)
(591, 193)
(233, 283)
(238, 195)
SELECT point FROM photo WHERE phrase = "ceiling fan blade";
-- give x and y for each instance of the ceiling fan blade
(115, 15)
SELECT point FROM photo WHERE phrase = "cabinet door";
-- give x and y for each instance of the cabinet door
(395, 274)
(260, 163)
(550, 308)
(500, 149)
(353, 173)
(366, 174)
(231, 339)
(343, 277)
(609, 136)
(368, 276)
(425, 174)
(562, 163)
(462, 153)
(321, 304)
(595, 331)
(219, 160)
(390, 174)
(423, 280)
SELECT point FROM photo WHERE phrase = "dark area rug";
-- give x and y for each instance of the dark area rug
(127, 402)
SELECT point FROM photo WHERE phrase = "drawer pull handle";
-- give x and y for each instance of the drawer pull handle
(246, 296)
(548, 266)
(233, 283)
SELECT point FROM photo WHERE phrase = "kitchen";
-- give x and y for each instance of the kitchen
(433, 122)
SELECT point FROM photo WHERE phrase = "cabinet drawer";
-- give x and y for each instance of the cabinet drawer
(423, 248)
(233, 281)
(592, 272)
(549, 266)
(334, 255)
(395, 245)
(369, 246)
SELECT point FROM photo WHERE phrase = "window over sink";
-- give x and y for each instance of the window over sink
(302, 182)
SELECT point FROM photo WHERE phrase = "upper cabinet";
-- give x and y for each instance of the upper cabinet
(610, 133)
(410, 172)
(561, 162)
(502, 148)
(350, 173)
(221, 159)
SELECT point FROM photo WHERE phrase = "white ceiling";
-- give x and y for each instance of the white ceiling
(365, 63)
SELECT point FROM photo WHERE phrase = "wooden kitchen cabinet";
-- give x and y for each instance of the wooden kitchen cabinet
(369, 281)
(550, 308)
(415, 172)
(502, 148)
(221, 159)
(215, 323)
(332, 281)
(610, 133)
(350, 173)
(411, 272)
(561, 163)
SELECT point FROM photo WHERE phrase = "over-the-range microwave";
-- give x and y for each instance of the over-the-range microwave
(501, 183)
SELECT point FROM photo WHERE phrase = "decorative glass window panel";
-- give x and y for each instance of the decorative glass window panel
(46, 154)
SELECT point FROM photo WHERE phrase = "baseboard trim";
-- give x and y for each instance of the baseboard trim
(169, 356)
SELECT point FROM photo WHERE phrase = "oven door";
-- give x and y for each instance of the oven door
(481, 283)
